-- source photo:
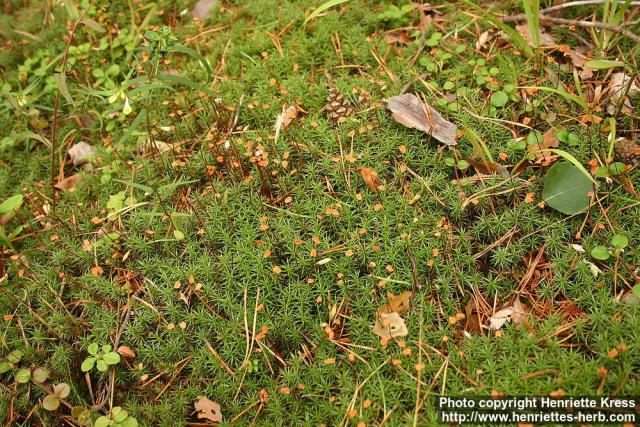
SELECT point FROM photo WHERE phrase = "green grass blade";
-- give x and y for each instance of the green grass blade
(322, 8)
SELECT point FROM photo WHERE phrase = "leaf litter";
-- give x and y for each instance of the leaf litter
(411, 112)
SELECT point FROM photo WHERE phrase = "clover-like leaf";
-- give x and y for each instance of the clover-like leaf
(62, 390)
(119, 414)
(103, 421)
(51, 402)
(107, 348)
(111, 358)
(23, 376)
(39, 375)
(130, 422)
(88, 364)
(102, 365)
(93, 349)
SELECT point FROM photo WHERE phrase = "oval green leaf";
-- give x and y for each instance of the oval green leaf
(23, 376)
(88, 363)
(50, 402)
(603, 64)
(11, 204)
(600, 252)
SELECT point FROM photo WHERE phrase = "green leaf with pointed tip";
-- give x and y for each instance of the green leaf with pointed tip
(23, 376)
(324, 6)
(51, 402)
(603, 64)
(93, 349)
(12, 203)
(566, 189)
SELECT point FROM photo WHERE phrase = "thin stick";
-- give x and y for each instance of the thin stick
(565, 6)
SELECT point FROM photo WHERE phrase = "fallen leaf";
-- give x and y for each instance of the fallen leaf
(398, 304)
(488, 168)
(81, 153)
(520, 312)
(126, 351)
(549, 140)
(288, 115)
(546, 39)
(68, 183)
(578, 59)
(472, 323)
(499, 318)
(482, 40)
(208, 409)
(411, 112)
(370, 178)
(202, 8)
(397, 36)
(390, 325)
(616, 89)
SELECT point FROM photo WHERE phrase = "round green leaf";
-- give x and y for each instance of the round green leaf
(130, 422)
(619, 241)
(40, 375)
(51, 402)
(88, 363)
(93, 349)
(600, 252)
(23, 376)
(102, 422)
(616, 168)
(119, 416)
(5, 367)
(499, 99)
(566, 189)
(111, 358)
(106, 348)
(14, 357)
(178, 235)
(101, 365)
(62, 390)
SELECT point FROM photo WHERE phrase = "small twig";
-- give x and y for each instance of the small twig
(566, 5)
(586, 24)
(215, 353)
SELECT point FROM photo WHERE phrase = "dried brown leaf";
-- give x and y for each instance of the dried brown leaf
(482, 40)
(398, 304)
(69, 183)
(202, 8)
(487, 168)
(390, 325)
(397, 36)
(126, 351)
(370, 178)
(411, 112)
(546, 39)
(616, 89)
(472, 322)
(208, 409)
(81, 153)
(549, 140)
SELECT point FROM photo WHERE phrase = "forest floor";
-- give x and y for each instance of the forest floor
(277, 216)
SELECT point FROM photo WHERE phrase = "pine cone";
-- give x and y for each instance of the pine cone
(627, 151)
(337, 107)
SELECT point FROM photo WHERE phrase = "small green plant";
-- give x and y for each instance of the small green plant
(613, 12)
(51, 402)
(617, 245)
(38, 375)
(118, 418)
(8, 209)
(10, 362)
(396, 16)
(252, 366)
(532, 10)
(81, 415)
(101, 358)
(460, 164)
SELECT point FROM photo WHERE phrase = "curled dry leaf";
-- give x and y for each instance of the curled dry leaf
(81, 153)
(518, 312)
(397, 36)
(549, 140)
(578, 59)
(202, 8)
(287, 116)
(616, 90)
(482, 40)
(208, 409)
(370, 178)
(69, 183)
(411, 112)
(472, 318)
(399, 304)
(390, 325)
